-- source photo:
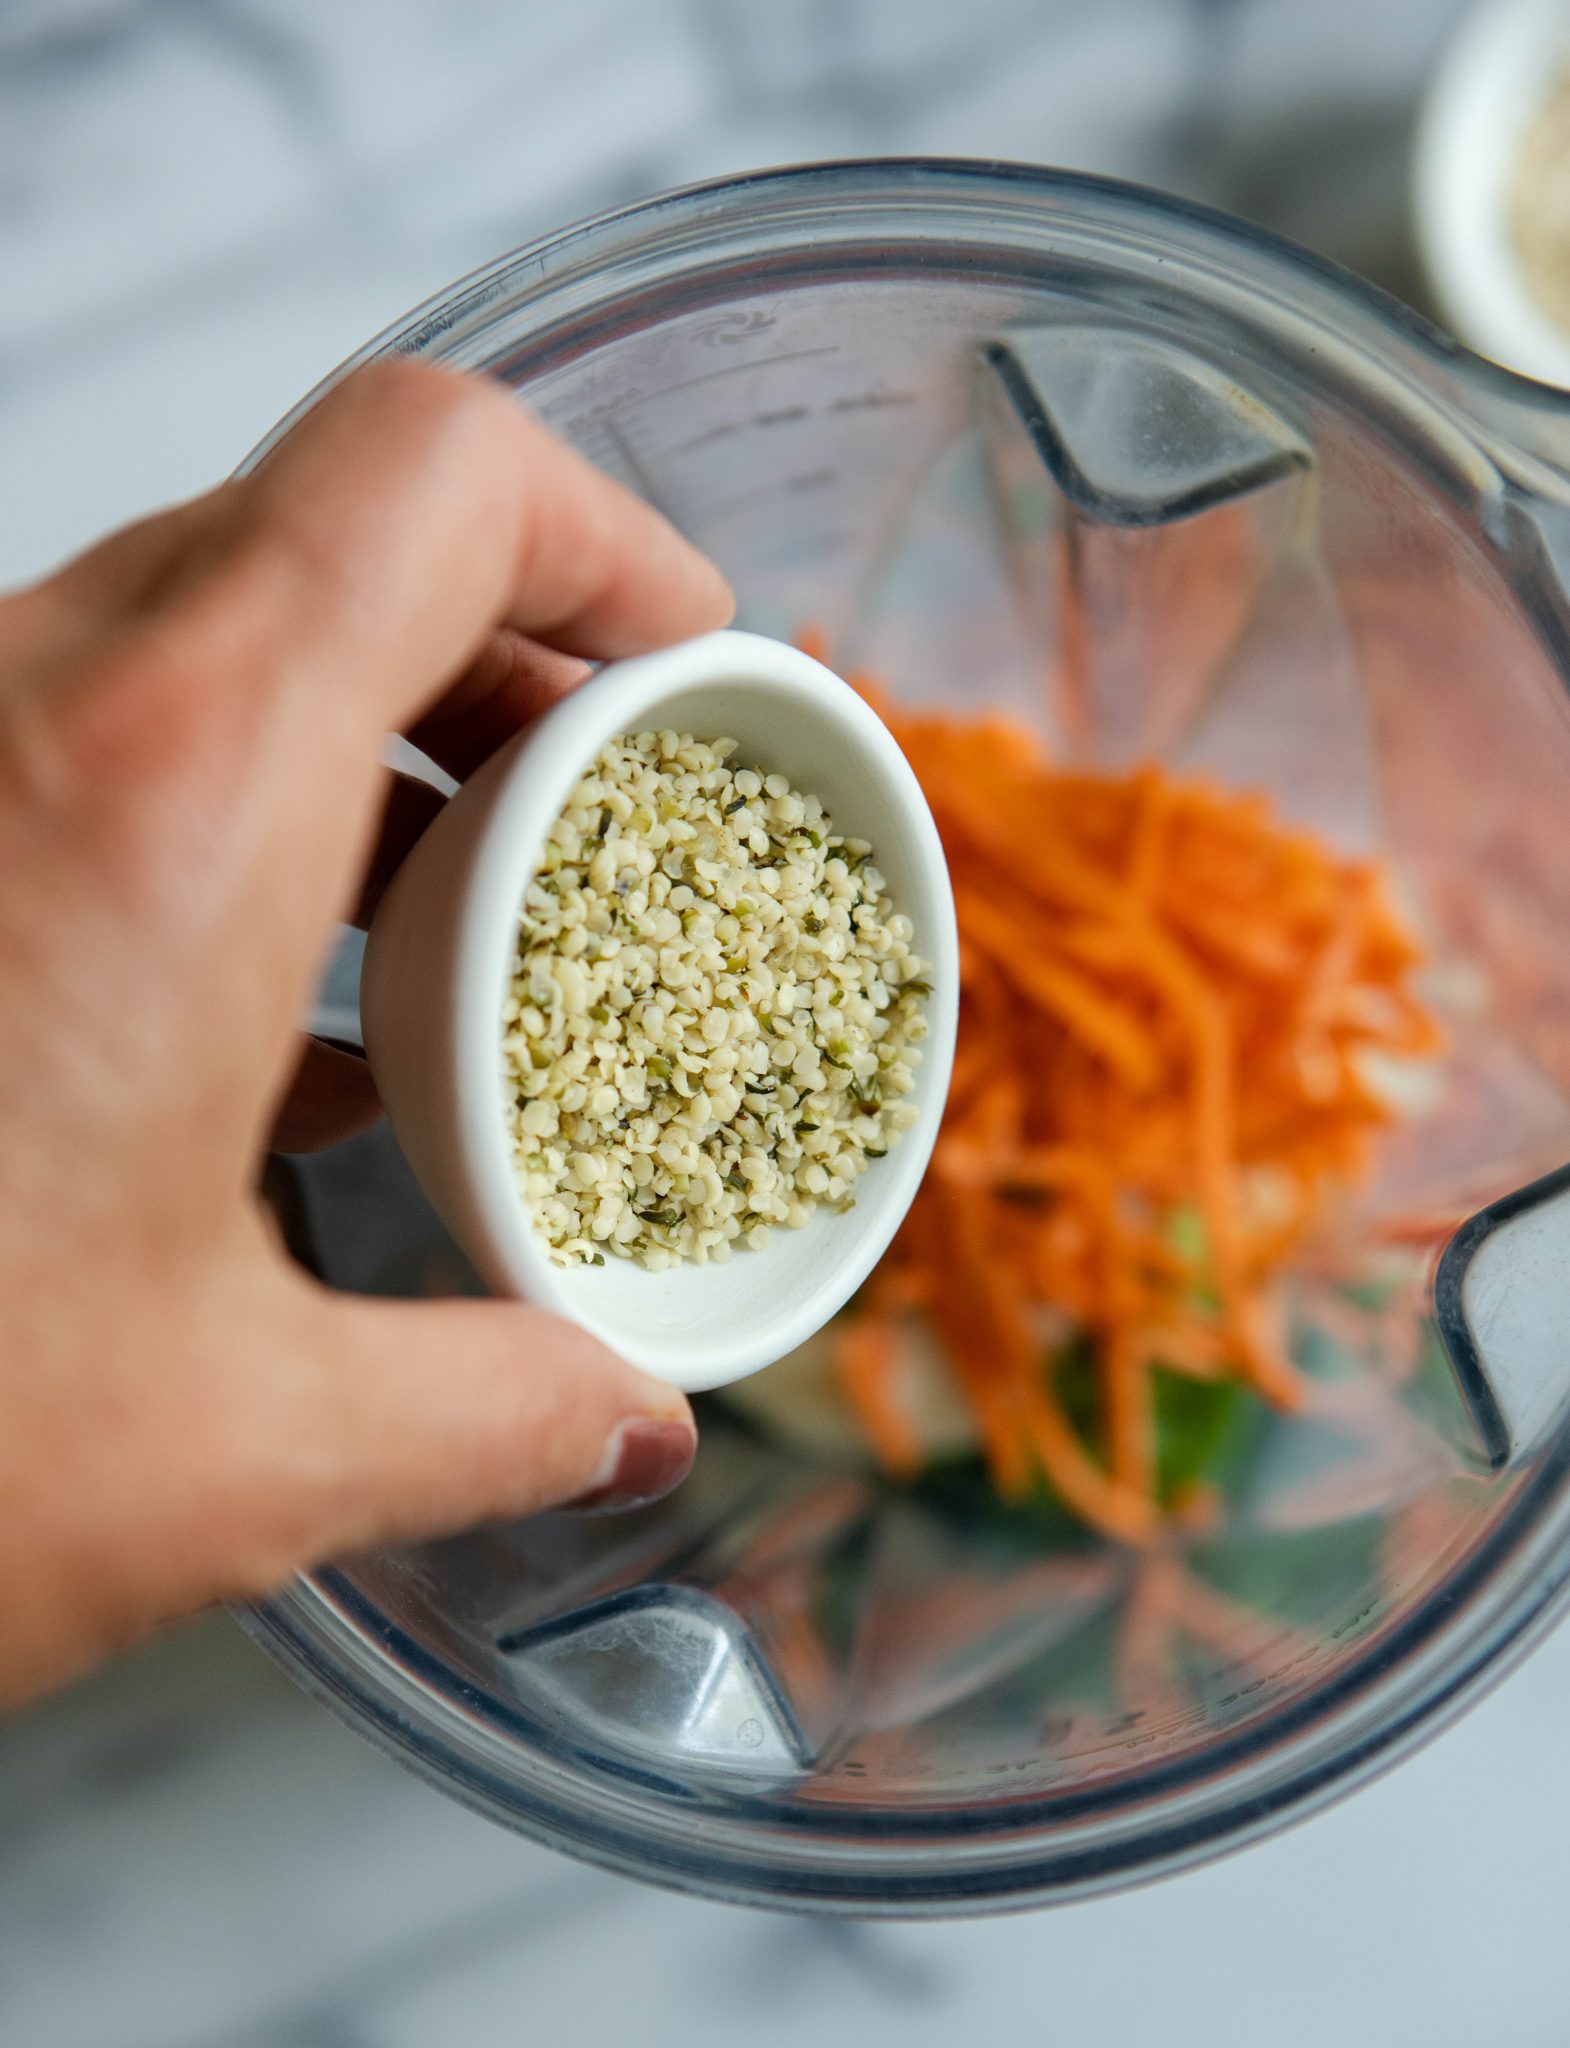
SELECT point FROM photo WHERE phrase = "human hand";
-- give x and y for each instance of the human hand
(191, 725)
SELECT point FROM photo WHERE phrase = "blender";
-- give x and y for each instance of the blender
(1163, 488)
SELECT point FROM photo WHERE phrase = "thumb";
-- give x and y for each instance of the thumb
(433, 1417)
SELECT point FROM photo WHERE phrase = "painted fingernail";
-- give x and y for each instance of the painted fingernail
(643, 1460)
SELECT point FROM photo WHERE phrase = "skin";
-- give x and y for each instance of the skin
(191, 723)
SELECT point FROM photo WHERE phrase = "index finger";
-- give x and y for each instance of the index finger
(414, 511)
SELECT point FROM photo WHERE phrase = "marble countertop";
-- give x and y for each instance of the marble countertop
(192, 1855)
(203, 205)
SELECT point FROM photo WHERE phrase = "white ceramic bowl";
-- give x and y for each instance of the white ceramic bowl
(437, 966)
(1495, 76)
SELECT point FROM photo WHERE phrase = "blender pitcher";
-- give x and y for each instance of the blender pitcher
(1164, 488)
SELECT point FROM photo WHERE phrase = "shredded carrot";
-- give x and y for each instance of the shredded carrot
(1168, 997)
(865, 1355)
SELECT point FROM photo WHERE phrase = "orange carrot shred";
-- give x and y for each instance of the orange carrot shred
(865, 1355)
(1168, 1000)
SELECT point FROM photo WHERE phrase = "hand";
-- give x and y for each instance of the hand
(191, 724)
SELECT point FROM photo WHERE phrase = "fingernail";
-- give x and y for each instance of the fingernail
(643, 1460)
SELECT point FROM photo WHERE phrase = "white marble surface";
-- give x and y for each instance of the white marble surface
(203, 204)
(193, 1856)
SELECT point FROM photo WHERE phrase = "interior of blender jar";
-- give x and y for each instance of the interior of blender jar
(1150, 535)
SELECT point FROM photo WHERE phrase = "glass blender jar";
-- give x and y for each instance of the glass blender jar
(1165, 488)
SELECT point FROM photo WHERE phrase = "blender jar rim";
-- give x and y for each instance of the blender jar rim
(1508, 411)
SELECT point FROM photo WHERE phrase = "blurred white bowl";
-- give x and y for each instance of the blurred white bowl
(439, 958)
(1495, 77)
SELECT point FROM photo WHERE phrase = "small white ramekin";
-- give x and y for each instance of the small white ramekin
(1495, 76)
(439, 957)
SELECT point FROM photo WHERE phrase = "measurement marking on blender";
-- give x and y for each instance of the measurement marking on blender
(791, 415)
(784, 355)
(726, 431)
(871, 401)
(763, 494)
(568, 417)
